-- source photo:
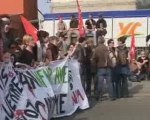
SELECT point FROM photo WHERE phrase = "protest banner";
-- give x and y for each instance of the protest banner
(41, 93)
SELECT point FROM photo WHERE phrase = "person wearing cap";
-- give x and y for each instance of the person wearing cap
(102, 62)
(90, 25)
(61, 27)
(101, 26)
(73, 29)
(7, 32)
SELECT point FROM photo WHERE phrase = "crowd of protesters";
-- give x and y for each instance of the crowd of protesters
(99, 63)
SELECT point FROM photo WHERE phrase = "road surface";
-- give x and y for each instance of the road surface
(136, 107)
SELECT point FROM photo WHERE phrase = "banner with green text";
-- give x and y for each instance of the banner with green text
(41, 93)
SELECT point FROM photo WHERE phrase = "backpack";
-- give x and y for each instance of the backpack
(122, 56)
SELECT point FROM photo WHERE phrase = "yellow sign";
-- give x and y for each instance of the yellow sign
(128, 29)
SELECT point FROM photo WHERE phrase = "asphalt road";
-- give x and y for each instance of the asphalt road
(136, 107)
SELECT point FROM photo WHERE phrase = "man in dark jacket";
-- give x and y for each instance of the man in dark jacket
(80, 55)
(7, 33)
(101, 26)
(102, 61)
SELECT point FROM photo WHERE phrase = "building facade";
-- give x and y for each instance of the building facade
(97, 5)
(117, 13)
(119, 23)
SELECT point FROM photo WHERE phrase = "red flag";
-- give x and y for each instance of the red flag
(29, 28)
(80, 20)
(132, 48)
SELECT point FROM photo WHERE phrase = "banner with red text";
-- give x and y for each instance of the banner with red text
(41, 93)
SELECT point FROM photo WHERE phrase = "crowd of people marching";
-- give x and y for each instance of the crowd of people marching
(100, 63)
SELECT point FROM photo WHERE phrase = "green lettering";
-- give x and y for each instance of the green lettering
(48, 72)
(60, 75)
(39, 76)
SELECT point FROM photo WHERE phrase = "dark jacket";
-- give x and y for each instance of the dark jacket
(55, 51)
(8, 38)
(122, 55)
(89, 25)
(27, 57)
(79, 54)
(100, 58)
(101, 21)
(88, 55)
(74, 23)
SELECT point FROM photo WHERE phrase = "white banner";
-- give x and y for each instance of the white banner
(67, 103)
(42, 93)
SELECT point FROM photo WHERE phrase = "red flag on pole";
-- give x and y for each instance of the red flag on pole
(80, 20)
(29, 28)
(132, 47)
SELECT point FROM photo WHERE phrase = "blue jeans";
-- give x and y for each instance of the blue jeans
(104, 73)
(115, 81)
(123, 81)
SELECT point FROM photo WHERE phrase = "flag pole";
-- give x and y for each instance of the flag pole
(132, 47)
(80, 20)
